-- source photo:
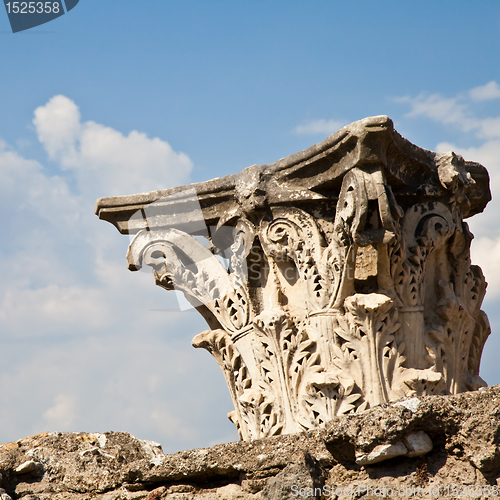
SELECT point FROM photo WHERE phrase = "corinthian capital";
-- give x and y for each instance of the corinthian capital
(332, 280)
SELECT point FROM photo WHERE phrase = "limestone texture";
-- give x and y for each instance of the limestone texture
(457, 438)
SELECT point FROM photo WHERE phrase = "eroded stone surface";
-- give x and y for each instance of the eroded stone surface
(382, 452)
(349, 281)
(417, 444)
(464, 431)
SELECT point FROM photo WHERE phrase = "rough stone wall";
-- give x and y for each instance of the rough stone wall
(361, 454)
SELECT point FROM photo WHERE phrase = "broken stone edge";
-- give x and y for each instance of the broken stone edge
(366, 141)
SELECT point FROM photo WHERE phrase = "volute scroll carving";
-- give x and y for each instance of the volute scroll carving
(333, 280)
(181, 262)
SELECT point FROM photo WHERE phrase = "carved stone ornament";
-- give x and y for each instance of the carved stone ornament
(333, 280)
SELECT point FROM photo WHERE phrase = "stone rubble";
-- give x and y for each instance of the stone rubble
(443, 441)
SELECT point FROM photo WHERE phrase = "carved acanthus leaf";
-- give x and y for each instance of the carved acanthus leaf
(368, 335)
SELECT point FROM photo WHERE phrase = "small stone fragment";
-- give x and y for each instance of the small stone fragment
(29, 466)
(181, 488)
(157, 493)
(418, 444)
(381, 452)
(253, 485)
(231, 492)
(294, 475)
(133, 486)
(102, 439)
(158, 460)
(411, 404)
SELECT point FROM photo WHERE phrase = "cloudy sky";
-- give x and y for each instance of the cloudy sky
(123, 96)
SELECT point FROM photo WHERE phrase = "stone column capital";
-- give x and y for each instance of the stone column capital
(332, 280)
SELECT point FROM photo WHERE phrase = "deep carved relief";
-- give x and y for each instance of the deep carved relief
(348, 283)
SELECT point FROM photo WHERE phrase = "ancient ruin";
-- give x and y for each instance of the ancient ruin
(332, 280)
(355, 456)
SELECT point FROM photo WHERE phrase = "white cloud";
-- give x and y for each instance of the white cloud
(440, 109)
(52, 310)
(489, 127)
(58, 127)
(62, 414)
(485, 251)
(321, 126)
(60, 275)
(485, 92)
(104, 161)
(26, 187)
(162, 419)
(100, 382)
(457, 111)
(86, 345)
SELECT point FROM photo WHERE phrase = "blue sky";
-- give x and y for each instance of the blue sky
(121, 96)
